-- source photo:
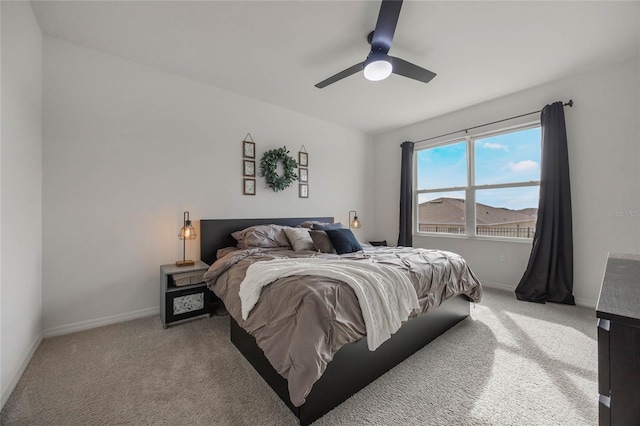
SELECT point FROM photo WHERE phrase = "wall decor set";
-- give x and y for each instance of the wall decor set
(303, 173)
(248, 165)
(269, 169)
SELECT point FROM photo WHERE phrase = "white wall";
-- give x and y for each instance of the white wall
(128, 148)
(20, 192)
(604, 152)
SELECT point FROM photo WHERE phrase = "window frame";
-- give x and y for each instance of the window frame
(471, 188)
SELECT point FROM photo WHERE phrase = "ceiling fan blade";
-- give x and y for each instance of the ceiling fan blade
(407, 69)
(386, 25)
(342, 74)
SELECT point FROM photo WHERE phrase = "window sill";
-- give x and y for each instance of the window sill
(475, 238)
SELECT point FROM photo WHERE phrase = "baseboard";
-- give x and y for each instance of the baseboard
(99, 322)
(6, 393)
(587, 303)
(498, 286)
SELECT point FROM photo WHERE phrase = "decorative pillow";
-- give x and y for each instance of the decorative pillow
(266, 236)
(343, 240)
(378, 243)
(321, 242)
(325, 226)
(299, 239)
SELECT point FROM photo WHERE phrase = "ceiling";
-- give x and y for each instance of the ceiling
(275, 51)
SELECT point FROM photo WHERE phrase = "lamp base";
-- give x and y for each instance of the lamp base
(185, 263)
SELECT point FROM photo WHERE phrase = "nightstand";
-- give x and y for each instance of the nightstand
(183, 294)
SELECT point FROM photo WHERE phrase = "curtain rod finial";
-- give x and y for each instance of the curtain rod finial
(570, 103)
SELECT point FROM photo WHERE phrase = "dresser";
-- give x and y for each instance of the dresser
(618, 314)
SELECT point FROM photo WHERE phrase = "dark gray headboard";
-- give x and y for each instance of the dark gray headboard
(216, 233)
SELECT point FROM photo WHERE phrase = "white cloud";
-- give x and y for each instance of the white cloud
(523, 166)
(492, 145)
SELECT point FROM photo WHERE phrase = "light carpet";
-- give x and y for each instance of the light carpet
(510, 363)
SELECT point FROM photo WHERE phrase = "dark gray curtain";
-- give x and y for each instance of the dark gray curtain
(549, 274)
(406, 195)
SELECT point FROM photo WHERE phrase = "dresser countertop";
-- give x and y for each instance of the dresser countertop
(620, 293)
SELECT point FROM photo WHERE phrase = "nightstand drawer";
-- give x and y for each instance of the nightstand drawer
(187, 303)
(189, 278)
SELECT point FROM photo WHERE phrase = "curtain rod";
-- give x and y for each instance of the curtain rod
(569, 104)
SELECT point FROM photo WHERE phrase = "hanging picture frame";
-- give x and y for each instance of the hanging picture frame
(248, 149)
(248, 167)
(303, 174)
(303, 159)
(249, 186)
(303, 191)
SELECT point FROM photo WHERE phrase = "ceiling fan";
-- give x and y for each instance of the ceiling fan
(379, 65)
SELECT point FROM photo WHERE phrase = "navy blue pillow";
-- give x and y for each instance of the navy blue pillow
(343, 240)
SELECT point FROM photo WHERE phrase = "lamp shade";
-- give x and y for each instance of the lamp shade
(355, 223)
(188, 232)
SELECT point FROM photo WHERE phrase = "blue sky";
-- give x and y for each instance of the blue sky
(512, 157)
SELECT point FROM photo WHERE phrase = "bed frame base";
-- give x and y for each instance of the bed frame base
(353, 367)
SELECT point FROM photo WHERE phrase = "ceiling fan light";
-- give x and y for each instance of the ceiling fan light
(378, 70)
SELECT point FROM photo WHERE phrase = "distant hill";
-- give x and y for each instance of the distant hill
(533, 212)
(451, 211)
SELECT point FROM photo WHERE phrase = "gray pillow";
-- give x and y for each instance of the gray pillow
(308, 224)
(299, 239)
(322, 242)
(267, 236)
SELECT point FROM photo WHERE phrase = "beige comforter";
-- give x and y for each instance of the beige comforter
(301, 321)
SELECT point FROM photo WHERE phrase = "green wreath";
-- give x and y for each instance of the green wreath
(269, 164)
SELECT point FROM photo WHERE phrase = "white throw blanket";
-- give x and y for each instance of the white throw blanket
(385, 294)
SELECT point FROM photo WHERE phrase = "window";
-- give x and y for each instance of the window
(481, 185)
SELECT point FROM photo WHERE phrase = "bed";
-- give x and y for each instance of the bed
(349, 368)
